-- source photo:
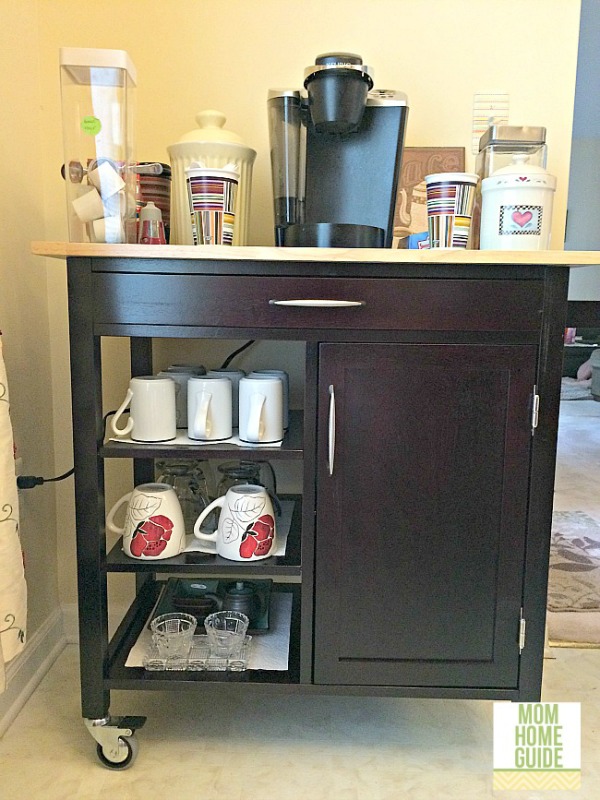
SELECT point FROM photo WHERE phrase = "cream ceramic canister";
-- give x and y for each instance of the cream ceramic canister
(212, 146)
(516, 211)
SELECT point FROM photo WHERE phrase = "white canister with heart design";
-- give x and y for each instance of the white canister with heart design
(516, 211)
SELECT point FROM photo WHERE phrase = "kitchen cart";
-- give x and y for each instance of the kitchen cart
(417, 561)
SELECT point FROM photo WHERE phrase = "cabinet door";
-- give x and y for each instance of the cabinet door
(421, 526)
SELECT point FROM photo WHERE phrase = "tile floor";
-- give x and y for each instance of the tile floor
(216, 746)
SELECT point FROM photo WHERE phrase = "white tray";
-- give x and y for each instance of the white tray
(269, 651)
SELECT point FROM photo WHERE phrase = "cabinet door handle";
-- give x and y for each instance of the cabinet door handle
(331, 431)
(307, 303)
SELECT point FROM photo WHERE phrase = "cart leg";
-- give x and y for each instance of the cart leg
(116, 746)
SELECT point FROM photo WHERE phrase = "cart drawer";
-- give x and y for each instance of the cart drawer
(317, 303)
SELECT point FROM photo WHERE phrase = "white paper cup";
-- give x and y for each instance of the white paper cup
(450, 199)
(109, 230)
(88, 206)
(106, 179)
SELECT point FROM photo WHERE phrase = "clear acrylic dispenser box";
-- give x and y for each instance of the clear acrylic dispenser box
(97, 115)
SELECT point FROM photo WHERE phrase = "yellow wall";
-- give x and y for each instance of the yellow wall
(195, 54)
(24, 318)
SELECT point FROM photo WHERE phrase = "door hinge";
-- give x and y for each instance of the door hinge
(535, 410)
(522, 625)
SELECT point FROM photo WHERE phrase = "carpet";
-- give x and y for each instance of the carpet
(574, 580)
(572, 389)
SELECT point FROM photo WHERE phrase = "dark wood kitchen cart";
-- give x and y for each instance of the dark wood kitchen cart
(418, 555)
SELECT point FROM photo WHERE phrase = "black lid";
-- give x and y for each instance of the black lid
(339, 59)
(344, 62)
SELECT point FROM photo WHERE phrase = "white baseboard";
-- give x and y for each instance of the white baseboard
(71, 622)
(25, 671)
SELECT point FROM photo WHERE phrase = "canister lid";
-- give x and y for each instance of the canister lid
(520, 163)
(520, 173)
(210, 129)
(79, 60)
(512, 134)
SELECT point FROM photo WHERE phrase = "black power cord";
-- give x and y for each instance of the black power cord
(235, 353)
(30, 481)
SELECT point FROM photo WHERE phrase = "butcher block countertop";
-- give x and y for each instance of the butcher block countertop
(566, 258)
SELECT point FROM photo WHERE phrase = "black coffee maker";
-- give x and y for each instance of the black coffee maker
(336, 153)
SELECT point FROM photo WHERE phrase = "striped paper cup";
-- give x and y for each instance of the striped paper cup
(450, 198)
(212, 197)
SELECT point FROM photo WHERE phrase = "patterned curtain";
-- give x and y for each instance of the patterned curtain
(13, 590)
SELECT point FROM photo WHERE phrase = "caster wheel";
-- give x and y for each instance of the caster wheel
(123, 758)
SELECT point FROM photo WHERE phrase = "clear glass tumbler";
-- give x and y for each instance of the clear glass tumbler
(189, 479)
(226, 631)
(172, 634)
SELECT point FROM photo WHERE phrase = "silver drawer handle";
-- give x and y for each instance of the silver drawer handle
(331, 431)
(318, 303)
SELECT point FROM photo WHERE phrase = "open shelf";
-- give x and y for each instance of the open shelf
(288, 564)
(290, 449)
(119, 676)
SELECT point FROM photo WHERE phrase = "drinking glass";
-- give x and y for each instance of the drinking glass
(172, 634)
(226, 631)
(189, 480)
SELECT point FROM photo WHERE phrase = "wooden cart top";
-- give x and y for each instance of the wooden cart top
(566, 258)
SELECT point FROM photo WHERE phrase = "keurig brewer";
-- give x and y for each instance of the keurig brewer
(336, 152)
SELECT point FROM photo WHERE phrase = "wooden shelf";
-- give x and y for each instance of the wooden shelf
(122, 677)
(288, 565)
(290, 449)
(359, 255)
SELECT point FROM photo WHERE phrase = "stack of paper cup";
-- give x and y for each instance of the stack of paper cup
(212, 196)
(450, 198)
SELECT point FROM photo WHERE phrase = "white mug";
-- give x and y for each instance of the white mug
(154, 527)
(285, 378)
(235, 376)
(209, 408)
(181, 373)
(246, 529)
(152, 416)
(261, 409)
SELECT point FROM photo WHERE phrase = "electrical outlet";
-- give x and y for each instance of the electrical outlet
(18, 466)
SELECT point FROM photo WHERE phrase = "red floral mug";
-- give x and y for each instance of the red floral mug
(246, 529)
(154, 527)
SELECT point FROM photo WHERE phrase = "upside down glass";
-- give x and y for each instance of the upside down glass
(172, 634)
(189, 479)
(226, 631)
